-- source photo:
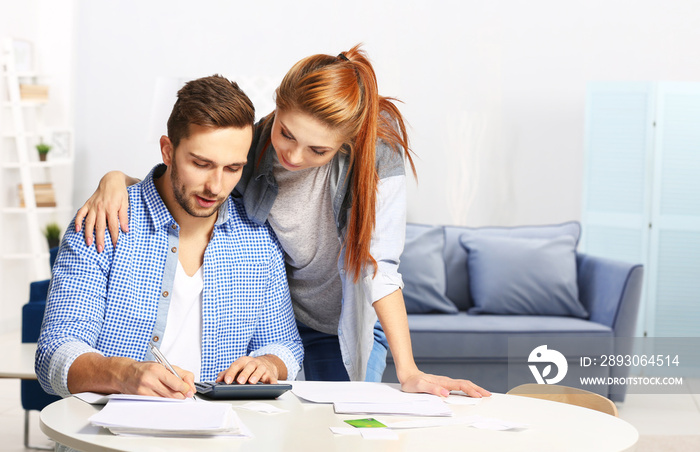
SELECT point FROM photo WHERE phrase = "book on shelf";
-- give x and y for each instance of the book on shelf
(43, 193)
(33, 92)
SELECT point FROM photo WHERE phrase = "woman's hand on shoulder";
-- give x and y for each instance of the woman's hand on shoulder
(441, 386)
(107, 208)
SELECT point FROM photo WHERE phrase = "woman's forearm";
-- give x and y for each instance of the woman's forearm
(130, 180)
(114, 177)
(391, 312)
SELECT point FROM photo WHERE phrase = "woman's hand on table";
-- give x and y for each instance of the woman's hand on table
(441, 386)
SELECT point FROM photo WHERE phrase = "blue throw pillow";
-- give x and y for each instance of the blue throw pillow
(523, 276)
(456, 257)
(423, 271)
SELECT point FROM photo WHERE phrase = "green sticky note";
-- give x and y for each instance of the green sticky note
(365, 423)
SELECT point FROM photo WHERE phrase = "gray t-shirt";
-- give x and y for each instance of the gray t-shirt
(302, 218)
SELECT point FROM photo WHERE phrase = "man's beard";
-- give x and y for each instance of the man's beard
(189, 204)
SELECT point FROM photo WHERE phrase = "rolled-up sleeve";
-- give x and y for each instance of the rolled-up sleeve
(388, 237)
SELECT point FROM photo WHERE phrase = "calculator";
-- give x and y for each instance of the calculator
(236, 391)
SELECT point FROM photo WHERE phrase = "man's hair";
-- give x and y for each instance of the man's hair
(214, 102)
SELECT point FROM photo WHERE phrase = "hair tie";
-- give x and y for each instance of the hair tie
(342, 56)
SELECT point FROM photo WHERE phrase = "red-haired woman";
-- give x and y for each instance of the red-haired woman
(326, 169)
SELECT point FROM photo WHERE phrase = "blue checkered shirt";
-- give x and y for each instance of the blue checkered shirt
(116, 302)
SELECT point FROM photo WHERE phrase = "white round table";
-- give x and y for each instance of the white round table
(552, 426)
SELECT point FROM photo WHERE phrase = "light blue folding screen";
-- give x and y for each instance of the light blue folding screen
(642, 194)
(675, 239)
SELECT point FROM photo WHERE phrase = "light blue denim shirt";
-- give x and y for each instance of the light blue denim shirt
(258, 189)
(116, 302)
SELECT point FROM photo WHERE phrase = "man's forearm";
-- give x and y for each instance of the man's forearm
(96, 373)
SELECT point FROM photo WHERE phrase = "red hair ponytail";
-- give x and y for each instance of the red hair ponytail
(342, 93)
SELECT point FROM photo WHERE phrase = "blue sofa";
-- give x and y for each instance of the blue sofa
(480, 300)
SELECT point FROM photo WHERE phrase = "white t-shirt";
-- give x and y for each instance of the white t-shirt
(182, 340)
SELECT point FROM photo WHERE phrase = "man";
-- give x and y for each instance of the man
(194, 276)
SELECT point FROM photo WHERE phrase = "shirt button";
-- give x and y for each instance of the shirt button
(156, 338)
(174, 249)
(174, 226)
(165, 294)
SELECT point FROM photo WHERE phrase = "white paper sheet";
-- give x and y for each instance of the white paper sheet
(94, 398)
(351, 431)
(366, 433)
(370, 398)
(356, 391)
(168, 419)
(435, 422)
(261, 407)
(434, 407)
(378, 433)
(475, 421)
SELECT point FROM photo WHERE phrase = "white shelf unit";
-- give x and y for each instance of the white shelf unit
(24, 124)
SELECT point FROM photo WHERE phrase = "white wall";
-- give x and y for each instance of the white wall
(494, 91)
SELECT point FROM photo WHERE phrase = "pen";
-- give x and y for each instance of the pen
(161, 359)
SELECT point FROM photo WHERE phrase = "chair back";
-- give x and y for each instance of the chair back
(566, 394)
(32, 395)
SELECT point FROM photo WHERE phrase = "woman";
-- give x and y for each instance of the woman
(326, 169)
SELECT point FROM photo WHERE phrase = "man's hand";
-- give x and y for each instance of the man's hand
(96, 373)
(246, 369)
(441, 386)
(151, 378)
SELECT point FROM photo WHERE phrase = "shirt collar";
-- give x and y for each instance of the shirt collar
(267, 165)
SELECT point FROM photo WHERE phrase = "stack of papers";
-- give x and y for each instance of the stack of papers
(370, 398)
(354, 391)
(169, 417)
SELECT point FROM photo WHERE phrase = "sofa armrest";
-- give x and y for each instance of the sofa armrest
(611, 291)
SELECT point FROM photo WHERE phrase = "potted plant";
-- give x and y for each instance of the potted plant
(52, 232)
(43, 149)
